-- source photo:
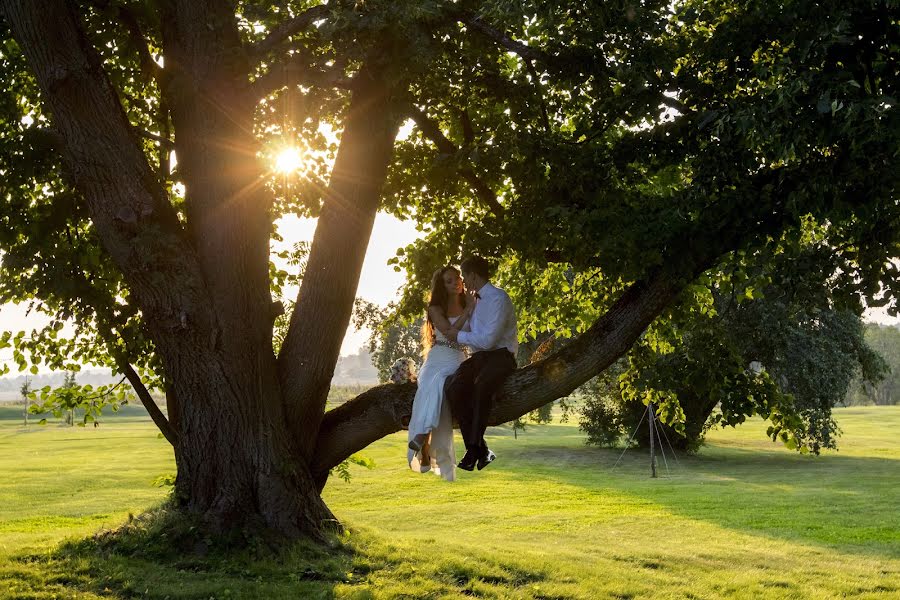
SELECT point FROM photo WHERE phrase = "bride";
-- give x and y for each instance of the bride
(431, 426)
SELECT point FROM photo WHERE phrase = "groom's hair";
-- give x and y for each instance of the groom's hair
(476, 264)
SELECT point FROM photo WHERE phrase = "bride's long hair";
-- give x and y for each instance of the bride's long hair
(437, 297)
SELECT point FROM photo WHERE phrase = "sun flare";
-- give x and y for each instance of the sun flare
(288, 161)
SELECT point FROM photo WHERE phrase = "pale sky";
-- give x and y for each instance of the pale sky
(378, 283)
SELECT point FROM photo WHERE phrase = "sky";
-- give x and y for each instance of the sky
(379, 283)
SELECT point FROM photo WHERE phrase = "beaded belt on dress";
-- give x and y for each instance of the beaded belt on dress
(449, 344)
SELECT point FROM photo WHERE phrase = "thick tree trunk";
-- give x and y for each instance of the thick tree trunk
(325, 302)
(234, 459)
(204, 300)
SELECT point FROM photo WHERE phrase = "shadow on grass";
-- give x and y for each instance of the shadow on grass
(160, 555)
(844, 502)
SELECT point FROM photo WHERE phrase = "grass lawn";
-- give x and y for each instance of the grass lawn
(550, 519)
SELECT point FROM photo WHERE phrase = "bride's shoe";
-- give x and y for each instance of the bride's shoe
(418, 441)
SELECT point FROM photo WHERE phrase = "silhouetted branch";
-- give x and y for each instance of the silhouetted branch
(295, 72)
(431, 130)
(289, 28)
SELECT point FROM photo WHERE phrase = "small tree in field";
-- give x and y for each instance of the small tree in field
(25, 392)
(614, 158)
(68, 398)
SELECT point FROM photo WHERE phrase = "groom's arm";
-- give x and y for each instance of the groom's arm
(493, 314)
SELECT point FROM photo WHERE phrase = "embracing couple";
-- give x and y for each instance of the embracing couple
(453, 382)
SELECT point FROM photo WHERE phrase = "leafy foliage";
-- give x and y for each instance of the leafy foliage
(343, 469)
(779, 345)
(70, 396)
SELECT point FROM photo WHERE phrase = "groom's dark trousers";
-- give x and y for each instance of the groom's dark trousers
(470, 391)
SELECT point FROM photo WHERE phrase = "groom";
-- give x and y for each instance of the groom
(491, 336)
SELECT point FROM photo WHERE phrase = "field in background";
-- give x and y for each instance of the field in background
(550, 519)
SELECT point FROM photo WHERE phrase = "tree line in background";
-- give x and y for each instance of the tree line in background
(885, 341)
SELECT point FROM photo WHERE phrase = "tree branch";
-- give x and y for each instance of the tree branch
(325, 301)
(431, 130)
(523, 50)
(163, 141)
(287, 29)
(129, 19)
(386, 409)
(295, 72)
(147, 400)
(545, 117)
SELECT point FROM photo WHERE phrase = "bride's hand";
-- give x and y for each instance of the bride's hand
(471, 300)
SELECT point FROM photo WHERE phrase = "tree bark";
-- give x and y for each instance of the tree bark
(325, 301)
(235, 458)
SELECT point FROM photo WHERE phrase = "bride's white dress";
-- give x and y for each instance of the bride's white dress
(431, 414)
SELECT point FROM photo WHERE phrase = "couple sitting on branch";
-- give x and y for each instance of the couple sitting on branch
(470, 346)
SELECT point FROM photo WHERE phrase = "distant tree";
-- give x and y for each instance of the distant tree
(25, 392)
(391, 338)
(885, 340)
(68, 397)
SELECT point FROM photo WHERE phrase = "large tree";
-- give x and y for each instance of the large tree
(607, 154)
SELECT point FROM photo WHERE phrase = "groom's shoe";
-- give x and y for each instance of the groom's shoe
(485, 460)
(468, 462)
(417, 442)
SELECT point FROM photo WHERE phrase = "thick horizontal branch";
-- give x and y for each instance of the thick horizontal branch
(289, 28)
(431, 131)
(386, 409)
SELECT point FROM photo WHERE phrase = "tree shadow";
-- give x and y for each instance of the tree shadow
(843, 502)
(159, 555)
(163, 554)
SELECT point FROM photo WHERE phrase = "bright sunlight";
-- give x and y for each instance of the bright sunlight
(288, 161)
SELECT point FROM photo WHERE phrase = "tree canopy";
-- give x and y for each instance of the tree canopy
(614, 159)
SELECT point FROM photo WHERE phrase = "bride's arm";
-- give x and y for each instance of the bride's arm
(439, 319)
(463, 319)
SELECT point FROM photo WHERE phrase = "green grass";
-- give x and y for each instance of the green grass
(550, 519)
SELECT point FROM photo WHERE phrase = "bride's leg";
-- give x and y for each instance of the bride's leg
(442, 444)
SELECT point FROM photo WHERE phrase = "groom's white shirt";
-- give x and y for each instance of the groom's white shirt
(493, 323)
